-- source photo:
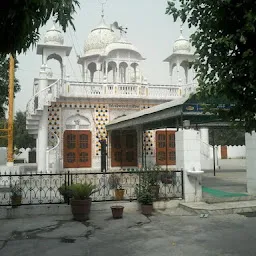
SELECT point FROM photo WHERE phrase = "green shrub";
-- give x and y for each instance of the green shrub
(81, 191)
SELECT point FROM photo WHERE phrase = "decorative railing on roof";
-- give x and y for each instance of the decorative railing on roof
(127, 90)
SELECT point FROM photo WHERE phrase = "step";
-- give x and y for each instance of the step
(32, 126)
(211, 200)
(33, 132)
(220, 208)
(32, 121)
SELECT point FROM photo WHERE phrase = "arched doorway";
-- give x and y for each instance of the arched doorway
(77, 143)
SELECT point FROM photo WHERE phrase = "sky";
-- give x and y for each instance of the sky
(149, 29)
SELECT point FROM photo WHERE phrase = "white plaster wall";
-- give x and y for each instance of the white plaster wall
(23, 154)
(250, 142)
(236, 151)
(3, 155)
(188, 158)
(232, 151)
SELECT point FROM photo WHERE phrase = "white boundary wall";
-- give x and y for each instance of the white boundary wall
(3, 156)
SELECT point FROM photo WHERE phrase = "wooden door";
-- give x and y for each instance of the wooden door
(224, 152)
(165, 148)
(124, 148)
(77, 149)
(171, 148)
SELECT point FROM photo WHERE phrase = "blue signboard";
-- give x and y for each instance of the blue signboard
(194, 107)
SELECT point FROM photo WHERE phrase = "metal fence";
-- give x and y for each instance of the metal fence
(43, 188)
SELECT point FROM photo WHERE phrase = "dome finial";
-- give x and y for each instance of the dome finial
(181, 30)
(103, 2)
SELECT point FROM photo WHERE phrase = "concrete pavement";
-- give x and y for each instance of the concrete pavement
(170, 232)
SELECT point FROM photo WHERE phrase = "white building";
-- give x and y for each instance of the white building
(68, 118)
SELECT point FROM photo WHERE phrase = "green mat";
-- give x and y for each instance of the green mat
(219, 193)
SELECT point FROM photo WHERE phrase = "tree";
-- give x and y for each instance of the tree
(4, 83)
(3, 135)
(20, 21)
(21, 137)
(226, 49)
(227, 136)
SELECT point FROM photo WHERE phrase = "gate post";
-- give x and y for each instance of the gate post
(188, 158)
(250, 143)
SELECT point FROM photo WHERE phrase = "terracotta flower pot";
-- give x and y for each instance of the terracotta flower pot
(117, 211)
(119, 194)
(147, 209)
(81, 209)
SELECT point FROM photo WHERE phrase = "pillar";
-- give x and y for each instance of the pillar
(250, 143)
(206, 150)
(83, 73)
(204, 135)
(139, 145)
(43, 126)
(188, 158)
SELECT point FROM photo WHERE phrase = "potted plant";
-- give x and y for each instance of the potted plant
(168, 178)
(153, 180)
(117, 211)
(81, 201)
(65, 192)
(114, 183)
(145, 198)
(16, 195)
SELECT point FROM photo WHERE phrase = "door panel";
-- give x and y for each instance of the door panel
(124, 148)
(224, 152)
(165, 148)
(77, 149)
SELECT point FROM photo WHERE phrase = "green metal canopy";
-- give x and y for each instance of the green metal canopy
(170, 115)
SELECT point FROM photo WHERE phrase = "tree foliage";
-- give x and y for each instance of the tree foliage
(20, 21)
(225, 44)
(4, 83)
(21, 137)
(3, 137)
(227, 136)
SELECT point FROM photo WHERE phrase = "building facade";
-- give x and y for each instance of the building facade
(68, 118)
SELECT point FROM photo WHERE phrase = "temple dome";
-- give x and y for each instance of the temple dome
(54, 36)
(99, 38)
(121, 44)
(181, 45)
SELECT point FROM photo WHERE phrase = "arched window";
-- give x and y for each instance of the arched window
(123, 72)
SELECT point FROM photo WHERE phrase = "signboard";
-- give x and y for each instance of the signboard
(194, 107)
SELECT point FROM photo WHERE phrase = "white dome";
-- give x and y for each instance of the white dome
(54, 36)
(99, 38)
(181, 45)
(121, 44)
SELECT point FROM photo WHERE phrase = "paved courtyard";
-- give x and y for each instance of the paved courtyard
(226, 180)
(171, 232)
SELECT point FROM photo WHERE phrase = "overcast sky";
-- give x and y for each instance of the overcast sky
(149, 29)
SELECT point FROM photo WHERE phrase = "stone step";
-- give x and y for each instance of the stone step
(211, 199)
(220, 208)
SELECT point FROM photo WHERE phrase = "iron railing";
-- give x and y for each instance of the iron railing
(42, 188)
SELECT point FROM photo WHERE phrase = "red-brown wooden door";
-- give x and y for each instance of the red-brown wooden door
(124, 148)
(165, 148)
(224, 152)
(77, 149)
